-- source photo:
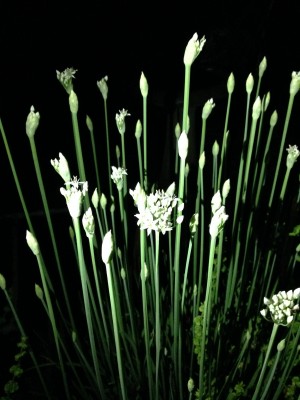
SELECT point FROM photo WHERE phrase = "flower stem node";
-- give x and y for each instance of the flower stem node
(193, 49)
(32, 122)
(32, 243)
(107, 247)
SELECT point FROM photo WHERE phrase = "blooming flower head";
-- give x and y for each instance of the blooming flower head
(193, 49)
(120, 120)
(66, 78)
(117, 176)
(293, 154)
(155, 210)
(61, 166)
(74, 195)
(282, 307)
(102, 85)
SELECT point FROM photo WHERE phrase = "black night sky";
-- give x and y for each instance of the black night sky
(121, 39)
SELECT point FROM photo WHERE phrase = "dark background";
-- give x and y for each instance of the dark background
(121, 39)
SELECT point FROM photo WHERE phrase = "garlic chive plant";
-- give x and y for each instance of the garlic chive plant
(161, 294)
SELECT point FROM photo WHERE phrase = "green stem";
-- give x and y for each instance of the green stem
(263, 370)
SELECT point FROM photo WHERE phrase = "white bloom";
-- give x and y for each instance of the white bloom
(293, 154)
(102, 85)
(120, 120)
(282, 307)
(117, 176)
(74, 196)
(193, 49)
(61, 166)
(66, 78)
(155, 210)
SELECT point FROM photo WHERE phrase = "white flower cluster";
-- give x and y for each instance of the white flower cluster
(74, 196)
(120, 120)
(155, 210)
(282, 307)
(117, 176)
(66, 77)
(293, 154)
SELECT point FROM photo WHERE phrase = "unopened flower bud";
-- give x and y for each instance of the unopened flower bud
(256, 110)
(194, 222)
(177, 130)
(190, 385)
(267, 101)
(2, 282)
(225, 189)
(230, 83)
(103, 201)
(274, 118)
(32, 122)
(89, 124)
(107, 247)
(249, 83)
(95, 198)
(144, 85)
(183, 144)
(88, 223)
(202, 160)
(281, 345)
(215, 149)
(295, 83)
(73, 102)
(32, 243)
(262, 67)
(39, 292)
(138, 129)
(207, 108)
